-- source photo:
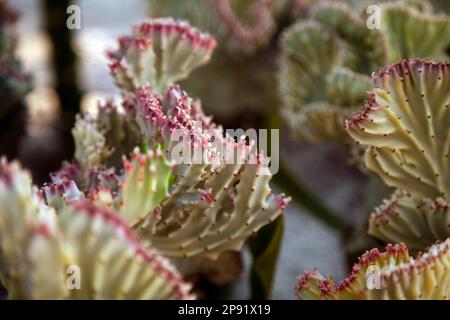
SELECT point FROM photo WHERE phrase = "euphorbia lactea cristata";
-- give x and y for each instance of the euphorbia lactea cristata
(125, 196)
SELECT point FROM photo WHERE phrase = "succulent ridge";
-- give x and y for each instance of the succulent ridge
(398, 276)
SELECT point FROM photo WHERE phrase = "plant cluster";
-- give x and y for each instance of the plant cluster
(124, 211)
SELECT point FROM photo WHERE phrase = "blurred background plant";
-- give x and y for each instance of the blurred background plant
(325, 66)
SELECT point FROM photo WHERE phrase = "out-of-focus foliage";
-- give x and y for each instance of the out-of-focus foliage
(327, 58)
(159, 54)
(14, 83)
(441, 5)
(240, 26)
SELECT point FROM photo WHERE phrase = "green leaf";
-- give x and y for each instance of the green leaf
(265, 248)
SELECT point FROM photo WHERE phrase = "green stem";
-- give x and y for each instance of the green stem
(64, 57)
(304, 198)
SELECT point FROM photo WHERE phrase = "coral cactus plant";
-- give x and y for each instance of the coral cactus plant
(405, 130)
(215, 205)
(222, 201)
(244, 62)
(14, 84)
(326, 60)
(174, 48)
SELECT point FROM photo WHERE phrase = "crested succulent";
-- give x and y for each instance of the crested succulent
(441, 5)
(416, 221)
(14, 83)
(41, 247)
(405, 131)
(159, 53)
(130, 194)
(218, 197)
(326, 60)
(240, 26)
(391, 275)
(221, 201)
